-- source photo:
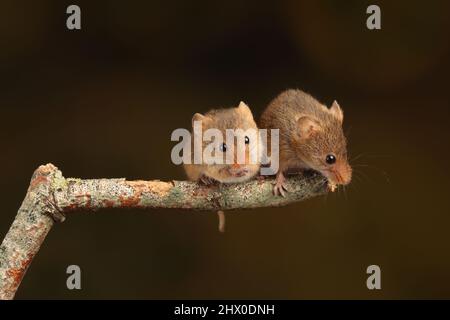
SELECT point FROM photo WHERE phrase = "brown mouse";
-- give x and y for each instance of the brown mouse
(240, 117)
(310, 137)
(234, 172)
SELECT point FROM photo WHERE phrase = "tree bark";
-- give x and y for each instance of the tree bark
(50, 197)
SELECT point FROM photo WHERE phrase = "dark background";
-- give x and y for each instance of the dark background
(102, 103)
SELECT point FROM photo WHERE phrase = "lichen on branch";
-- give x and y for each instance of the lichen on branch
(51, 197)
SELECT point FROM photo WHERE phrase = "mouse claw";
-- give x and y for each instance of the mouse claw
(278, 190)
(280, 186)
(275, 190)
(206, 180)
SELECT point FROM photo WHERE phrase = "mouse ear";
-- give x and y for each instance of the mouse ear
(307, 126)
(337, 111)
(199, 117)
(245, 109)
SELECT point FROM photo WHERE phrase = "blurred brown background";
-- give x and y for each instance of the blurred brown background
(102, 102)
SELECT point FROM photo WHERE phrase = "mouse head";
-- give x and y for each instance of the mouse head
(321, 144)
(239, 153)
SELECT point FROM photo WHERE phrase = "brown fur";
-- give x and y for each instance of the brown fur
(233, 118)
(305, 144)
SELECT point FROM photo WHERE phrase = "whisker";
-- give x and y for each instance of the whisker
(363, 175)
(368, 155)
(325, 199)
(356, 157)
(383, 172)
(356, 178)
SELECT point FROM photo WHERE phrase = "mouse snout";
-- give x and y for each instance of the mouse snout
(341, 174)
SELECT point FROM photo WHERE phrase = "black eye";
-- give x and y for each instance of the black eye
(223, 147)
(330, 159)
(247, 140)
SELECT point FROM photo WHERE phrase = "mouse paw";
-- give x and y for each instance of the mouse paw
(280, 187)
(207, 181)
(332, 186)
(260, 178)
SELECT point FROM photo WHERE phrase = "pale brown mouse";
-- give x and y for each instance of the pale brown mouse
(240, 117)
(235, 172)
(310, 137)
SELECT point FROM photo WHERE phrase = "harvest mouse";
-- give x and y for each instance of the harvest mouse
(310, 137)
(222, 119)
(235, 171)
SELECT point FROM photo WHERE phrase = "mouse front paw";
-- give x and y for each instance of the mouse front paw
(207, 181)
(260, 178)
(280, 187)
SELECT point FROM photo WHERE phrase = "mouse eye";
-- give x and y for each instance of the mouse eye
(330, 159)
(223, 147)
(247, 140)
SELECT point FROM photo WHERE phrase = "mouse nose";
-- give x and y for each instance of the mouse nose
(341, 174)
(344, 174)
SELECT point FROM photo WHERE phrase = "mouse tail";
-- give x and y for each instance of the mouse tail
(221, 216)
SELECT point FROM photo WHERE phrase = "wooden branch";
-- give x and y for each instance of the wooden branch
(50, 197)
